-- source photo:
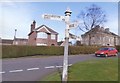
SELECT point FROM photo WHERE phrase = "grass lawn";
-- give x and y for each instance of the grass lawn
(92, 70)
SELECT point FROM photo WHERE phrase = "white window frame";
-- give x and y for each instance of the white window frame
(42, 35)
(41, 44)
(16, 42)
(53, 36)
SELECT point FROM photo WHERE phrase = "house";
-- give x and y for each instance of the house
(100, 36)
(6, 42)
(20, 41)
(42, 35)
(16, 41)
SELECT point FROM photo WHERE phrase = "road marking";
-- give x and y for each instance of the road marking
(56, 66)
(16, 70)
(50, 67)
(70, 65)
(2, 72)
(32, 69)
(59, 66)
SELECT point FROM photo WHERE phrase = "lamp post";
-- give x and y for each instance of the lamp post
(15, 34)
(65, 61)
(14, 42)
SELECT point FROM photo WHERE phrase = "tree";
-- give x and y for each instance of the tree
(93, 16)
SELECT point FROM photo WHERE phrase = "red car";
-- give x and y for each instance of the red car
(106, 51)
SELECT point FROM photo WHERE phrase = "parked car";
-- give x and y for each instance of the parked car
(106, 51)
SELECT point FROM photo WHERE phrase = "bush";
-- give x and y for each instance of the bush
(20, 51)
(118, 48)
(83, 49)
(13, 51)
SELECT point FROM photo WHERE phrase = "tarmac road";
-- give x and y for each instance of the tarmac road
(34, 69)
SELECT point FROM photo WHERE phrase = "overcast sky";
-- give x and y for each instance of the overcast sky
(19, 15)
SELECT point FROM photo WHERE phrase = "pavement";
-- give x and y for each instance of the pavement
(34, 69)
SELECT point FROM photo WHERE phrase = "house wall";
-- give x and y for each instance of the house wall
(48, 41)
(32, 39)
(20, 42)
(99, 38)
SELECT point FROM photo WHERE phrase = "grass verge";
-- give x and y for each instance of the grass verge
(92, 70)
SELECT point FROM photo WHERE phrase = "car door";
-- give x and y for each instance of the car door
(110, 51)
(113, 51)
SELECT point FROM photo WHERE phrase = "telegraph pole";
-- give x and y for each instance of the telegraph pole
(65, 61)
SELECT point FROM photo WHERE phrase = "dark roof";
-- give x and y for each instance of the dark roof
(21, 39)
(50, 30)
(7, 41)
(59, 43)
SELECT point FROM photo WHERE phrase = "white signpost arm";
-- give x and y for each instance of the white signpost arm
(53, 17)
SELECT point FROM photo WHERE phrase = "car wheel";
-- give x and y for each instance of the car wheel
(116, 54)
(96, 55)
(106, 55)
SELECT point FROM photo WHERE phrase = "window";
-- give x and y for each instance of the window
(41, 35)
(52, 36)
(16, 43)
(41, 44)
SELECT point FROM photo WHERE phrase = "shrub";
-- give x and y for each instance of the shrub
(19, 51)
(118, 48)
(83, 49)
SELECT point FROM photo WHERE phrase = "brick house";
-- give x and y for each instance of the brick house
(42, 35)
(100, 36)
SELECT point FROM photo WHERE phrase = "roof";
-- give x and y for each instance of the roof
(21, 39)
(44, 26)
(7, 41)
(99, 29)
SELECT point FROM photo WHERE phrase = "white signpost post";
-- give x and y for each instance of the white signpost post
(68, 27)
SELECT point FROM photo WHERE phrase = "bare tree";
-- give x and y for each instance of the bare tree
(93, 16)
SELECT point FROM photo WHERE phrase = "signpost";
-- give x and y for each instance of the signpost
(53, 17)
(73, 25)
(74, 37)
(69, 26)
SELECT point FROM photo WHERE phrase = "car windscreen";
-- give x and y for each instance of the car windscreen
(104, 49)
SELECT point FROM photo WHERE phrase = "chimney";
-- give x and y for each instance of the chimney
(33, 25)
(107, 30)
(102, 28)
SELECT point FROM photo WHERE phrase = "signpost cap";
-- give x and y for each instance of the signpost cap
(68, 12)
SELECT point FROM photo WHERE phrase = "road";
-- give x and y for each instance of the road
(34, 69)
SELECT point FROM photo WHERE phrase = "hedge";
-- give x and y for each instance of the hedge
(20, 51)
(83, 49)
(12, 51)
(118, 48)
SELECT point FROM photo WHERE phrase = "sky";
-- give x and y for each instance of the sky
(20, 15)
